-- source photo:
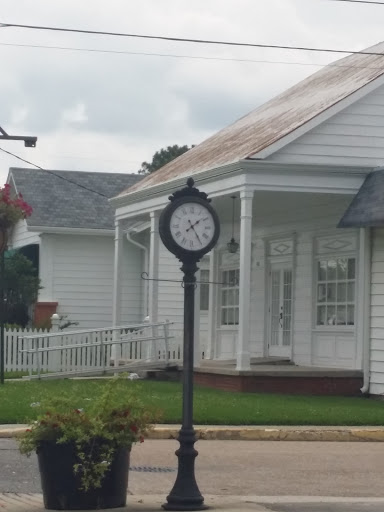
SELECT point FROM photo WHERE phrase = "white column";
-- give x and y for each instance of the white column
(243, 354)
(153, 288)
(212, 311)
(117, 280)
(196, 343)
(362, 313)
(153, 307)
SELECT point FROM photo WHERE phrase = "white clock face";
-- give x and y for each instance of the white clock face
(192, 226)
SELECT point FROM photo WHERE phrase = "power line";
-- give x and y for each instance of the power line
(53, 173)
(188, 40)
(194, 57)
(357, 2)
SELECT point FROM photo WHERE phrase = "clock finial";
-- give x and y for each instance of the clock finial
(189, 191)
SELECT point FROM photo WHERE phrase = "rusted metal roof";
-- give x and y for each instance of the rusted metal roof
(275, 119)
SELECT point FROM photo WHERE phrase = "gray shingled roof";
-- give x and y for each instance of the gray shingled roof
(57, 202)
(367, 207)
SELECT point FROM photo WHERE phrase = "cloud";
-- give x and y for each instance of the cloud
(104, 111)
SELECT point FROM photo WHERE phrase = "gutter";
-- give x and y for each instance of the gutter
(234, 168)
(365, 237)
(146, 260)
(70, 231)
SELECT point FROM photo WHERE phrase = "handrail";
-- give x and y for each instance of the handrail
(97, 344)
(84, 331)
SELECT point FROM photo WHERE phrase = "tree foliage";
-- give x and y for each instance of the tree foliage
(21, 286)
(162, 157)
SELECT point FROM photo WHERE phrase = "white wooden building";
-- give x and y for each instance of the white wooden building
(307, 290)
(70, 237)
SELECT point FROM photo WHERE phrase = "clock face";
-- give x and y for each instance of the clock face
(192, 226)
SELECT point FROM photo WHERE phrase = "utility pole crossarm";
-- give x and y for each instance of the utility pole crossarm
(29, 142)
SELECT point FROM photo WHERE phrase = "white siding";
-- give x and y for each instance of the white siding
(377, 314)
(355, 136)
(77, 272)
(21, 236)
(171, 293)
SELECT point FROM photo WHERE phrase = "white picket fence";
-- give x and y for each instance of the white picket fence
(14, 344)
(67, 352)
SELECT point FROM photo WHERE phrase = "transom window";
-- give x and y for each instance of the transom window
(230, 297)
(336, 280)
(204, 290)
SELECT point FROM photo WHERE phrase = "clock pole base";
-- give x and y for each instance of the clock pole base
(185, 494)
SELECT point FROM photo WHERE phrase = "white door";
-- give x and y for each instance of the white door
(280, 310)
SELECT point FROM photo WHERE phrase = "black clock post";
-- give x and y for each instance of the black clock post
(189, 228)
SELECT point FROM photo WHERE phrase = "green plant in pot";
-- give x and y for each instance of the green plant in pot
(83, 446)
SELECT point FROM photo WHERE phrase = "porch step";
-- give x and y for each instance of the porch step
(219, 363)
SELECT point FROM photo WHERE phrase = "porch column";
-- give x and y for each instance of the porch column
(196, 327)
(117, 280)
(243, 354)
(212, 306)
(153, 285)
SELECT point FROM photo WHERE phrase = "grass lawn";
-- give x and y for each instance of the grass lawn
(211, 406)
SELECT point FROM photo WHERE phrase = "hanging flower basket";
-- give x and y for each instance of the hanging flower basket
(12, 209)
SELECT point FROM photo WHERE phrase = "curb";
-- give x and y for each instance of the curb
(252, 433)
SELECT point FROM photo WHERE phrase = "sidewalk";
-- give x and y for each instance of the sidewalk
(253, 433)
(150, 503)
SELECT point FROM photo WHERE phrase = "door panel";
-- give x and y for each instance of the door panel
(280, 309)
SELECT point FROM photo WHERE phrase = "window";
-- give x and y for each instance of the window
(230, 297)
(336, 279)
(204, 290)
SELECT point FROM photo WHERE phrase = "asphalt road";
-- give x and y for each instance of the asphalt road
(246, 468)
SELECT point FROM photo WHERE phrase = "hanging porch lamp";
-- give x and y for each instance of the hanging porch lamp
(232, 245)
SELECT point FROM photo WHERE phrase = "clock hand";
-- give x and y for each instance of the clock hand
(193, 228)
(192, 225)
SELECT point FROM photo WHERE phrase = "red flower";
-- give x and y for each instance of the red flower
(28, 430)
(134, 429)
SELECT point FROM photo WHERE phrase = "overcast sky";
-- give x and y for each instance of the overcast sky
(110, 111)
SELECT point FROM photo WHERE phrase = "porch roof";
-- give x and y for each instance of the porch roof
(366, 208)
(274, 120)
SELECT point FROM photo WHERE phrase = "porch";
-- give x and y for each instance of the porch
(278, 375)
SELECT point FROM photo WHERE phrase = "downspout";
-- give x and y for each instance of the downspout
(365, 251)
(146, 259)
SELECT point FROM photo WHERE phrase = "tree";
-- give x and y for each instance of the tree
(162, 157)
(21, 286)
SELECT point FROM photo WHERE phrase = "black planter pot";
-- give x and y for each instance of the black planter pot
(61, 487)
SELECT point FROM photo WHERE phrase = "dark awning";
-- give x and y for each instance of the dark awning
(367, 207)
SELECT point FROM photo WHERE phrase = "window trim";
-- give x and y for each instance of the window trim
(316, 303)
(233, 306)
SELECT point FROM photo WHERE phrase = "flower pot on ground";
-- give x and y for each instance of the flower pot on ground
(83, 447)
(62, 487)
